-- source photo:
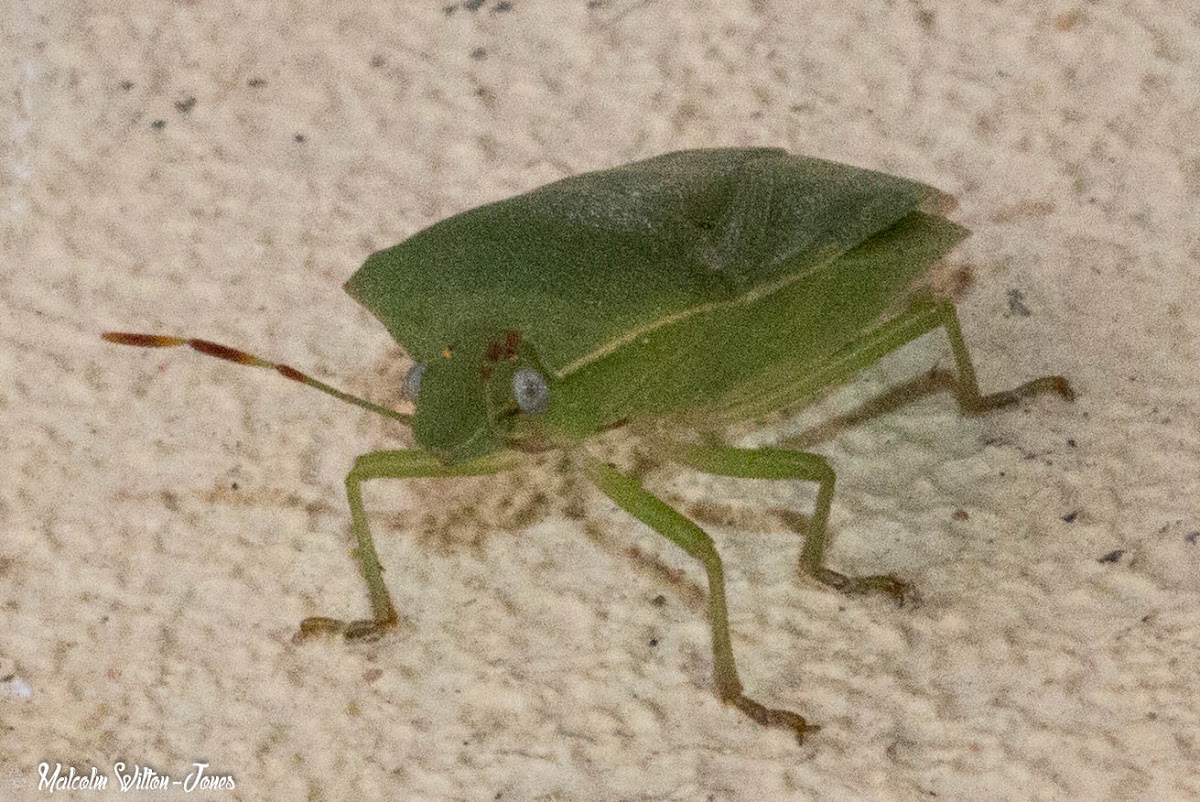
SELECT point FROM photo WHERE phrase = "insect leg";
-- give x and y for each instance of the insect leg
(650, 510)
(409, 464)
(970, 400)
(795, 384)
(779, 463)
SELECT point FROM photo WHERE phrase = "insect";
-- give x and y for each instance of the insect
(677, 294)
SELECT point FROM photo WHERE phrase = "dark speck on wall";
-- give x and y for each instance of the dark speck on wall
(1070, 517)
(478, 54)
(299, 138)
(125, 86)
(185, 105)
(256, 83)
(1113, 556)
(378, 61)
(1016, 303)
(158, 125)
(1192, 537)
(501, 7)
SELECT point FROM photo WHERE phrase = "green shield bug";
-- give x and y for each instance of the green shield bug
(697, 288)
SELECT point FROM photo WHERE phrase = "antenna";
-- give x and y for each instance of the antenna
(242, 358)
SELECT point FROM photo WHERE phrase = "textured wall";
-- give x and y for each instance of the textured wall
(219, 169)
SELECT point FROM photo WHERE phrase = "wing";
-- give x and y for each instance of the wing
(581, 262)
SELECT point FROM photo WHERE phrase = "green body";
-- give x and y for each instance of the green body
(679, 284)
(697, 287)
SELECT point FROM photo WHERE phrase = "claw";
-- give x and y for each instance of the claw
(363, 630)
(770, 717)
(882, 583)
(369, 629)
(318, 626)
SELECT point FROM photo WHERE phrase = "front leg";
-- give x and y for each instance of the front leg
(409, 464)
(777, 463)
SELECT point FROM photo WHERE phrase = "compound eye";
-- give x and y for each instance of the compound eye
(412, 381)
(531, 392)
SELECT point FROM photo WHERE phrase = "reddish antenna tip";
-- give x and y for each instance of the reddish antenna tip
(226, 353)
(142, 340)
(290, 373)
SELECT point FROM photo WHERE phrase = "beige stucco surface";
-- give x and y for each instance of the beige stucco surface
(219, 169)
